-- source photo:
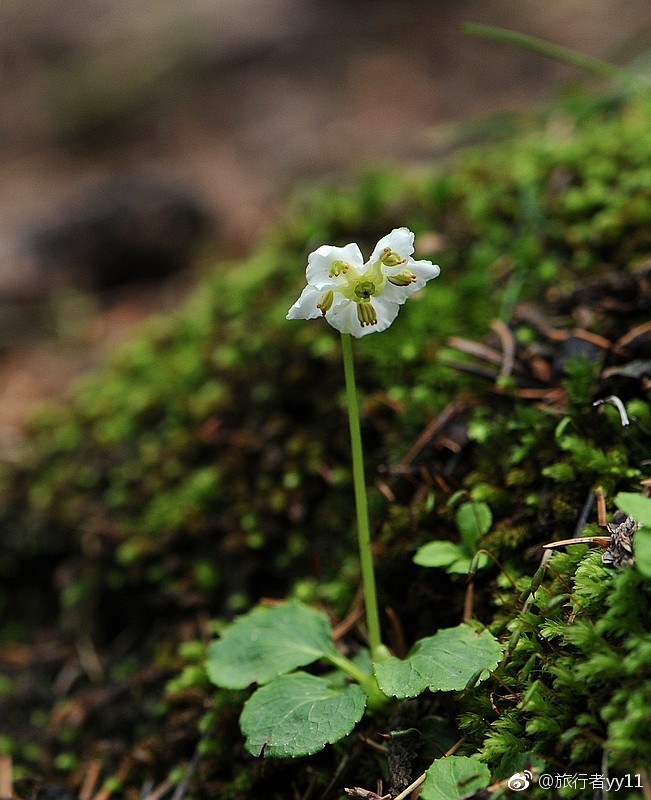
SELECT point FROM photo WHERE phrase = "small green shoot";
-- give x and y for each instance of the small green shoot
(639, 508)
(473, 520)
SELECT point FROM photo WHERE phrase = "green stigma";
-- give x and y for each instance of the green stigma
(364, 290)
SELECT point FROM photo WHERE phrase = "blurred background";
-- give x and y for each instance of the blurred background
(140, 139)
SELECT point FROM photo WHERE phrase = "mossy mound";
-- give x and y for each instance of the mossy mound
(207, 467)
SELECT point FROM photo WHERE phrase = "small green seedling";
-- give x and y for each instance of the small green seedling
(473, 520)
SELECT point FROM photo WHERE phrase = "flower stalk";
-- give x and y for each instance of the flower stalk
(378, 651)
(358, 298)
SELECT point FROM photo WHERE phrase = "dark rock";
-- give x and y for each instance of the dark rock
(130, 230)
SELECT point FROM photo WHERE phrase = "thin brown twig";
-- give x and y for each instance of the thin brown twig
(469, 601)
(601, 507)
(352, 617)
(412, 787)
(476, 349)
(183, 785)
(633, 334)
(310, 788)
(433, 427)
(6, 786)
(507, 340)
(161, 790)
(470, 369)
(121, 775)
(399, 643)
(342, 766)
(90, 780)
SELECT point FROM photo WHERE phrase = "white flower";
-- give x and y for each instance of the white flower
(357, 297)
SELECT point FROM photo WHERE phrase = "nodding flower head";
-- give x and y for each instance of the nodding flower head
(357, 297)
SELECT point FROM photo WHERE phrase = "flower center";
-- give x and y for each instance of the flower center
(364, 291)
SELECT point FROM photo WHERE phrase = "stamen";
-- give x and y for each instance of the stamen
(403, 278)
(325, 303)
(391, 259)
(337, 268)
(366, 314)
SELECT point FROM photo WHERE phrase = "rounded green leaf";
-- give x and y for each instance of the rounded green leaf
(448, 556)
(473, 521)
(439, 554)
(636, 506)
(454, 777)
(298, 714)
(268, 642)
(443, 662)
(643, 551)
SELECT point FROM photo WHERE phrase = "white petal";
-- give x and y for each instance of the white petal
(306, 305)
(424, 271)
(386, 311)
(400, 241)
(344, 318)
(398, 294)
(320, 262)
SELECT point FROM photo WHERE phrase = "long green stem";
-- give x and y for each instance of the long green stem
(376, 697)
(361, 504)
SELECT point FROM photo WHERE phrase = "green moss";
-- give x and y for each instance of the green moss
(582, 694)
